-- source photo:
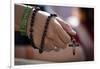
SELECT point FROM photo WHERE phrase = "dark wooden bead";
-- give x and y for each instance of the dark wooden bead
(45, 31)
(37, 8)
(31, 27)
(31, 30)
(53, 15)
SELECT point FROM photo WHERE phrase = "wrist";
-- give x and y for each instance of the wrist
(38, 28)
(19, 10)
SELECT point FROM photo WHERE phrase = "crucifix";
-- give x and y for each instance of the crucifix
(74, 45)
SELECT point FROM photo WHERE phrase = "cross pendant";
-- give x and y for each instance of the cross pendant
(74, 45)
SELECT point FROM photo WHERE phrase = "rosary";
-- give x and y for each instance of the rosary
(73, 44)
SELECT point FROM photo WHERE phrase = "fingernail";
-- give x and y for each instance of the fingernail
(73, 32)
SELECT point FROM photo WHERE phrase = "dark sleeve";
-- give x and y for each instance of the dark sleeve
(21, 40)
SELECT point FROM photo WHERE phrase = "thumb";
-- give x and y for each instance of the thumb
(66, 27)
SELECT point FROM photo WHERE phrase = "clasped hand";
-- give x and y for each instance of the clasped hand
(58, 33)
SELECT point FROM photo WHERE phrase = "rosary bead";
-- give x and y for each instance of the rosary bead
(31, 29)
(37, 8)
(45, 31)
(55, 15)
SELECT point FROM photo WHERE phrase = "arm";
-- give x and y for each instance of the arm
(56, 35)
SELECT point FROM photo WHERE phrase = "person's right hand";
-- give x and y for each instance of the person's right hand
(57, 33)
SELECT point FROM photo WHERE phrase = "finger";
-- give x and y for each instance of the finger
(66, 26)
(62, 35)
(53, 35)
(48, 44)
(56, 42)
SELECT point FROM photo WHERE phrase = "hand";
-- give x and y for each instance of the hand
(57, 34)
(66, 26)
(58, 31)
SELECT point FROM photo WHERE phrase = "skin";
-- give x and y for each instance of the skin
(57, 34)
